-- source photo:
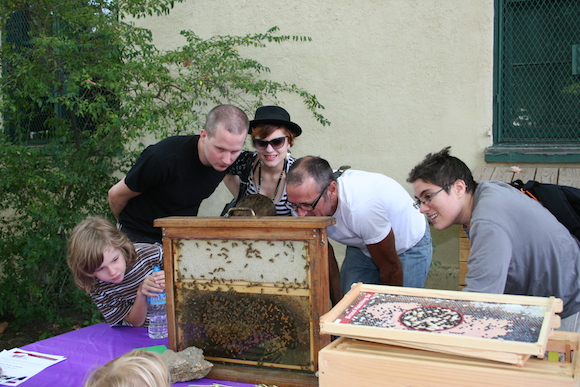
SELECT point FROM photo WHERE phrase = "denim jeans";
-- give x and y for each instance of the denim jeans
(570, 323)
(358, 267)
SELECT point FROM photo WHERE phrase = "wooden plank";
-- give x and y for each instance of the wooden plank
(483, 173)
(547, 175)
(462, 273)
(569, 177)
(290, 289)
(342, 361)
(504, 357)
(463, 247)
(168, 268)
(502, 174)
(525, 175)
(280, 378)
(242, 222)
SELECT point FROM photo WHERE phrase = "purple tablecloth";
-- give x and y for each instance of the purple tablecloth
(89, 348)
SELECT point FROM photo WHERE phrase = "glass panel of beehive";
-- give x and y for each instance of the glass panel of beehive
(249, 260)
(245, 301)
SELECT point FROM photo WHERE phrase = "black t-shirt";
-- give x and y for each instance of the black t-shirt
(172, 182)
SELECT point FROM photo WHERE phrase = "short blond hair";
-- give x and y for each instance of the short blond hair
(138, 368)
(87, 244)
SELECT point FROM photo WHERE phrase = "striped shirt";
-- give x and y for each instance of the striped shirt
(282, 206)
(116, 300)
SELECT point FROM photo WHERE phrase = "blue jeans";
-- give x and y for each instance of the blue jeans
(358, 267)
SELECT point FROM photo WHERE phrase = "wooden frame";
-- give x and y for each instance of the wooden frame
(448, 341)
(250, 265)
(341, 363)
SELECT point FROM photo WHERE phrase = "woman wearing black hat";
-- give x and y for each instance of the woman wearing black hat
(272, 135)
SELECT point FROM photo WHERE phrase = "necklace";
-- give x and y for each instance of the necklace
(279, 179)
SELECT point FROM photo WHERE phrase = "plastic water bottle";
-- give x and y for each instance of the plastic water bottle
(157, 314)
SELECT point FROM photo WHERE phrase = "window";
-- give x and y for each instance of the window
(537, 81)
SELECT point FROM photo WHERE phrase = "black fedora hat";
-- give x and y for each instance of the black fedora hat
(274, 115)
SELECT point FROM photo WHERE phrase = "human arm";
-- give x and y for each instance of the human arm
(119, 196)
(151, 286)
(233, 184)
(239, 170)
(384, 255)
(333, 277)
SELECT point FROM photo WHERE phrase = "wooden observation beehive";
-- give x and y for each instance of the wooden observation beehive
(249, 292)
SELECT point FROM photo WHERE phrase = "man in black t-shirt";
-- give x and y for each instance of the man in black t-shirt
(173, 177)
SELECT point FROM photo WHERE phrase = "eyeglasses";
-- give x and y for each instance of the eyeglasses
(276, 143)
(308, 206)
(417, 204)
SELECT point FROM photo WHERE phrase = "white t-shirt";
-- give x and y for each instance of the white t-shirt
(369, 206)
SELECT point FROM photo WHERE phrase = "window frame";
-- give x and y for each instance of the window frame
(553, 152)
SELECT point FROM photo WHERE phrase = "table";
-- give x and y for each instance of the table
(91, 347)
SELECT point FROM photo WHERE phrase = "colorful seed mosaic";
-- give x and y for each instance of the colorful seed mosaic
(512, 322)
(431, 318)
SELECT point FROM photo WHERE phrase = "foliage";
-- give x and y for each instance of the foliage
(97, 84)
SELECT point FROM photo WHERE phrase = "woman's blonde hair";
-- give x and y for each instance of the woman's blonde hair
(86, 245)
(138, 368)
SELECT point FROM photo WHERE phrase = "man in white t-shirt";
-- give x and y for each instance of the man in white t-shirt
(388, 240)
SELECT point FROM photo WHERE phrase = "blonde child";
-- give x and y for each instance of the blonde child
(114, 271)
(134, 369)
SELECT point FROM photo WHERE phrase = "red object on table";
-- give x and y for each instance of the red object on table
(89, 348)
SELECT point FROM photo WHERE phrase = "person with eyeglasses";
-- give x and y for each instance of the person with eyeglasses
(516, 245)
(273, 135)
(388, 241)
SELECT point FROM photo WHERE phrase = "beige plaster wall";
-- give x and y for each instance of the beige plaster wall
(398, 78)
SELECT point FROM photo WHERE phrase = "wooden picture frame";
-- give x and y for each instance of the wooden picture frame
(249, 291)
(498, 327)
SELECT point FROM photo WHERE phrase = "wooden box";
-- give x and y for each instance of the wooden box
(488, 326)
(250, 293)
(354, 363)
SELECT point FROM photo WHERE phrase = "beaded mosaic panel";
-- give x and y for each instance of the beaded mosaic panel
(511, 322)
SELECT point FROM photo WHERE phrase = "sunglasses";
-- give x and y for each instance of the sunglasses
(276, 143)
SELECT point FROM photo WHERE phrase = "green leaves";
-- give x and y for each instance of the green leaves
(88, 86)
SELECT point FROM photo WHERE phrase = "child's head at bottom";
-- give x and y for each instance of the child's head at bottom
(86, 247)
(137, 368)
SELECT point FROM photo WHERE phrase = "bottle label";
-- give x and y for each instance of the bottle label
(159, 300)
